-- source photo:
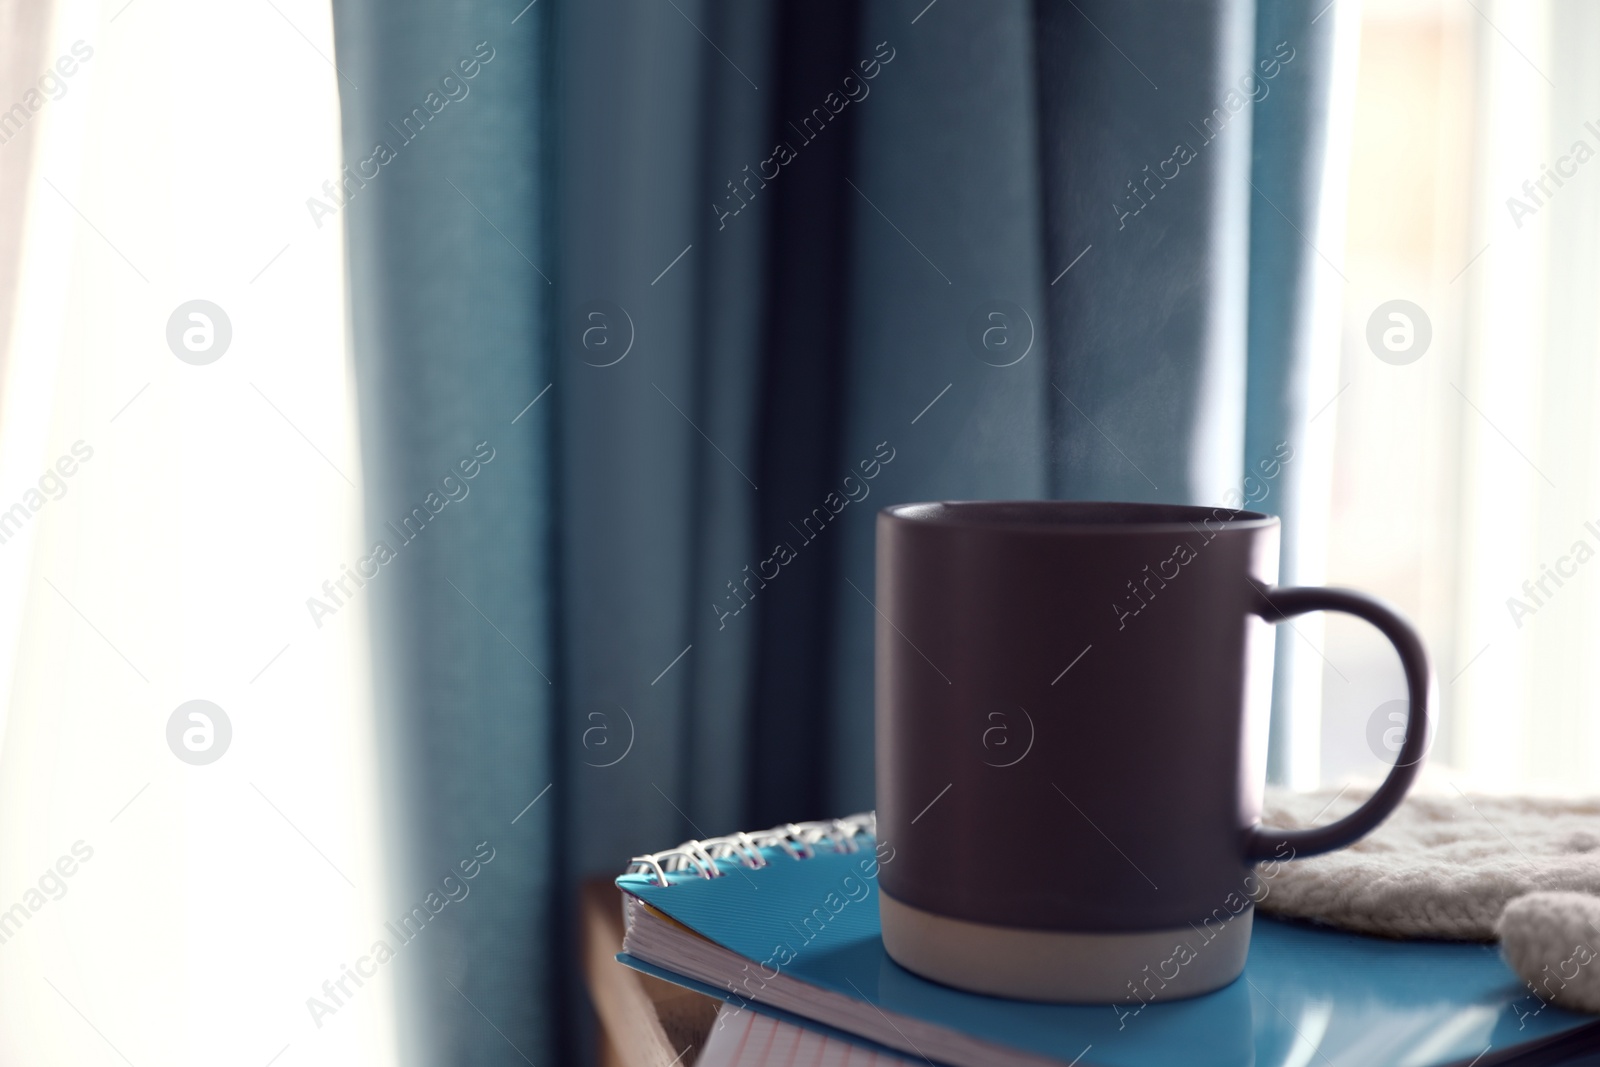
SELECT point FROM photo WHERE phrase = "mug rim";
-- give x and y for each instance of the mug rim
(1055, 516)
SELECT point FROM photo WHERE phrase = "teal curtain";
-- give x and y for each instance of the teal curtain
(1288, 156)
(452, 319)
(713, 281)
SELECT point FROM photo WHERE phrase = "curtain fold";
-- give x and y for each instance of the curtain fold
(629, 399)
(796, 261)
(1287, 269)
(1145, 146)
(948, 356)
(450, 312)
(807, 290)
(729, 308)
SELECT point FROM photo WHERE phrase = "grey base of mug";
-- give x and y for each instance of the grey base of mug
(1062, 966)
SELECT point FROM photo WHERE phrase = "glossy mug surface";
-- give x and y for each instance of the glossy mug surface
(1072, 702)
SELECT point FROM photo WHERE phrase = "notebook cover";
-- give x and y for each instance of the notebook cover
(1308, 994)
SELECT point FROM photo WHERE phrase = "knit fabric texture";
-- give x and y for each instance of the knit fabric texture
(1521, 870)
(1551, 940)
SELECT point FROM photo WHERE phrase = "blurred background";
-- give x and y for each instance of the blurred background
(578, 346)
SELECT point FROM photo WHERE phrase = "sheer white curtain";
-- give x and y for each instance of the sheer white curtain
(1467, 479)
(176, 479)
(1531, 584)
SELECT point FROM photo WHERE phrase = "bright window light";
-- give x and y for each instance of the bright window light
(179, 457)
(1467, 473)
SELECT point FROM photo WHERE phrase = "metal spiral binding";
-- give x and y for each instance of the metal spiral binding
(799, 840)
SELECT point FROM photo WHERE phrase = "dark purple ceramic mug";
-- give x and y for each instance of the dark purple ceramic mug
(1072, 710)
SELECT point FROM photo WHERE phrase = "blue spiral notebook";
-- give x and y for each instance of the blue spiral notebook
(785, 922)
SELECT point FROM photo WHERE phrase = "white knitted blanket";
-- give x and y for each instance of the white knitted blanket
(1451, 866)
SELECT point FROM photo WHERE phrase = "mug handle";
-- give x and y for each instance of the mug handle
(1279, 604)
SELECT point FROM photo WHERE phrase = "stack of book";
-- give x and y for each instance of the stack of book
(781, 929)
